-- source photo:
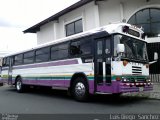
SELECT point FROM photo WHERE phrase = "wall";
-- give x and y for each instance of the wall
(112, 11)
(134, 6)
(46, 33)
(95, 15)
(109, 12)
(55, 30)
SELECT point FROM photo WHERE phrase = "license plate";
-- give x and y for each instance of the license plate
(141, 89)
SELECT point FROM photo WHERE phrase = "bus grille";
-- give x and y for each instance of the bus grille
(136, 70)
(137, 79)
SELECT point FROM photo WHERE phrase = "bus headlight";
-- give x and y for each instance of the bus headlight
(147, 65)
(125, 62)
(125, 79)
(148, 80)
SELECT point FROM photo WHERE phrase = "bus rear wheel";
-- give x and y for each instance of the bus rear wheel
(80, 89)
(19, 85)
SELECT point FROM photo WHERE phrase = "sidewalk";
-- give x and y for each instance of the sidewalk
(156, 91)
(155, 94)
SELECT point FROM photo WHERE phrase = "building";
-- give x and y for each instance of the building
(88, 14)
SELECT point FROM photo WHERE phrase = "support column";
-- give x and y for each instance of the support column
(122, 12)
(97, 18)
(55, 29)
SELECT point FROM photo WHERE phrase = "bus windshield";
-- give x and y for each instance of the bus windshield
(134, 49)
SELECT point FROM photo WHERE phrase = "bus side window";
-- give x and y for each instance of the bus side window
(7, 61)
(81, 47)
(99, 48)
(59, 51)
(42, 54)
(4, 62)
(29, 57)
(75, 48)
(108, 47)
(18, 59)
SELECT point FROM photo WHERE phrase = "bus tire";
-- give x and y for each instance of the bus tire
(80, 90)
(19, 85)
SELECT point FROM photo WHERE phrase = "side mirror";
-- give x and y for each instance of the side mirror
(155, 56)
(120, 48)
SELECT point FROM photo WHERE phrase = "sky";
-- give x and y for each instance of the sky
(18, 15)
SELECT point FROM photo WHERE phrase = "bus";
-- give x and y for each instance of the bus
(107, 60)
(1, 82)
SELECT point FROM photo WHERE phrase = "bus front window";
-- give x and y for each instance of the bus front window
(134, 49)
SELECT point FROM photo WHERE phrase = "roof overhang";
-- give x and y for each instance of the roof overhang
(36, 27)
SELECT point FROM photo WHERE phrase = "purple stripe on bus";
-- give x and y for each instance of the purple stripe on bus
(53, 63)
(63, 83)
(124, 89)
(57, 83)
(110, 88)
(117, 88)
(91, 86)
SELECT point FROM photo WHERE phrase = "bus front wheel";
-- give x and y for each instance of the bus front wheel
(80, 89)
(19, 85)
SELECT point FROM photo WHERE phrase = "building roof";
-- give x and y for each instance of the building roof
(36, 27)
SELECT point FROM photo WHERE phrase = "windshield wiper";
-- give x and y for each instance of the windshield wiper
(134, 59)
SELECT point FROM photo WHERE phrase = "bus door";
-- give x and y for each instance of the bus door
(102, 61)
(10, 71)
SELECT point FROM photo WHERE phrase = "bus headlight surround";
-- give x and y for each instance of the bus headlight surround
(124, 79)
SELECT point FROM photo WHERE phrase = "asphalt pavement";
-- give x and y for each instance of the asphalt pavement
(45, 101)
(154, 94)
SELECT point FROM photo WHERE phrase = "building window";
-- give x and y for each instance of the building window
(74, 27)
(149, 19)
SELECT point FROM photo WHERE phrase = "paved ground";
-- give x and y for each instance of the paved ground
(156, 91)
(44, 101)
(155, 94)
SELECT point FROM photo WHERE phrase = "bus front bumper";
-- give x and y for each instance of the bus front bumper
(119, 87)
(135, 87)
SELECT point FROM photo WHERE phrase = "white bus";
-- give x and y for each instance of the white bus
(108, 60)
(1, 82)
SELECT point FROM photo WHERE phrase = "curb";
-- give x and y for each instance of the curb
(148, 95)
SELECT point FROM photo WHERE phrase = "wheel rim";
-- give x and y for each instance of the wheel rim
(80, 89)
(19, 85)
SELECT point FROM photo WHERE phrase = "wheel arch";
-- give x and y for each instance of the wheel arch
(76, 75)
(18, 76)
